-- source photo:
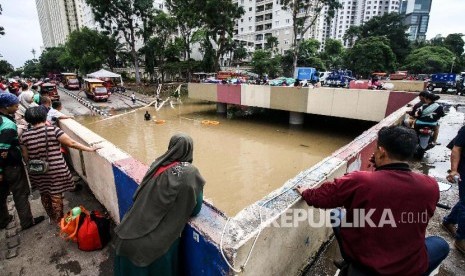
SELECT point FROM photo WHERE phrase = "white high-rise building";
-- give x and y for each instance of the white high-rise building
(352, 13)
(264, 18)
(53, 22)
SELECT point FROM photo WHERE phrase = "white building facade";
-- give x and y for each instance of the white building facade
(53, 22)
(264, 18)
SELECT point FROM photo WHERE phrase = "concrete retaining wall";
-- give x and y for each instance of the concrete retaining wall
(399, 85)
(113, 176)
(360, 104)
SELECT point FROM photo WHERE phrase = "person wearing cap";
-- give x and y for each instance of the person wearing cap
(410, 115)
(429, 114)
(12, 172)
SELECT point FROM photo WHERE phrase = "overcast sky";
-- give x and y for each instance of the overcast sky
(21, 23)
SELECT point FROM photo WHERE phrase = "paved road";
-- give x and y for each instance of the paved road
(117, 101)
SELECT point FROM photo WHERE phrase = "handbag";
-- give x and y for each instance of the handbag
(69, 225)
(37, 166)
(93, 231)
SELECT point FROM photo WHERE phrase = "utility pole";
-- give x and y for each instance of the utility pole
(452, 66)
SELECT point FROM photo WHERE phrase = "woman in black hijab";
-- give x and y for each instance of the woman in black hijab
(170, 193)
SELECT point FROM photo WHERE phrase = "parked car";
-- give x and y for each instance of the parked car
(282, 81)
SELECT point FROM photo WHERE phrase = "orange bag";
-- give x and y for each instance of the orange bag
(69, 225)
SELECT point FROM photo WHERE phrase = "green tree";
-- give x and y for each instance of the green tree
(32, 69)
(51, 60)
(87, 49)
(455, 43)
(272, 43)
(239, 54)
(158, 46)
(5, 68)
(390, 26)
(308, 54)
(333, 54)
(124, 16)
(218, 17)
(188, 17)
(304, 17)
(429, 59)
(370, 55)
(263, 63)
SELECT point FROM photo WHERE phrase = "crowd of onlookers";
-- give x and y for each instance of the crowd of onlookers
(29, 132)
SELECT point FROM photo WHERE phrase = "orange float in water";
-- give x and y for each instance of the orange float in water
(208, 122)
(159, 122)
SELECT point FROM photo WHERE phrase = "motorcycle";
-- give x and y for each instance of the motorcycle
(425, 139)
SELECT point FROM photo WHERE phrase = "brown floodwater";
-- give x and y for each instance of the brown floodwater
(243, 158)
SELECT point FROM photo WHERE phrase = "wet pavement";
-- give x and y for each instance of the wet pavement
(41, 251)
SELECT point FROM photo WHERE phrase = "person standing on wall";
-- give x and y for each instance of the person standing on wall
(457, 174)
(171, 191)
(43, 142)
(12, 173)
(133, 98)
(392, 244)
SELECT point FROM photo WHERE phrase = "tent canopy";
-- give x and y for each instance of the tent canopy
(102, 73)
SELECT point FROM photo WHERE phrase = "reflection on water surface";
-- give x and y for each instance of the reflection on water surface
(242, 158)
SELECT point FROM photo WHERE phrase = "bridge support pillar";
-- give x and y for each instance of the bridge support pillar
(221, 108)
(296, 118)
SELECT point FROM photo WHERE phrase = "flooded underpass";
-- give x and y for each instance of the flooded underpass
(243, 156)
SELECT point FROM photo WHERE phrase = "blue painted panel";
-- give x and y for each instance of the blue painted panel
(125, 189)
(202, 257)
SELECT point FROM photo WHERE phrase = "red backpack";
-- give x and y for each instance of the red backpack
(94, 231)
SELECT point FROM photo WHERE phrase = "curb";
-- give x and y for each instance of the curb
(85, 103)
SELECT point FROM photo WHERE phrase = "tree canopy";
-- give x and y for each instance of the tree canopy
(264, 63)
(390, 26)
(218, 18)
(128, 17)
(370, 55)
(87, 49)
(5, 67)
(429, 59)
(304, 17)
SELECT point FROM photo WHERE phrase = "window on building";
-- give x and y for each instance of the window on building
(286, 41)
(250, 9)
(242, 1)
(242, 19)
(242, 29)
(288, 21)
(250, 28)
(250, 18)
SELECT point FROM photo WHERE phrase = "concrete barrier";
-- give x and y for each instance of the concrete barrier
(360, 104)
(399, 85)
(408, 85)
(113, 176)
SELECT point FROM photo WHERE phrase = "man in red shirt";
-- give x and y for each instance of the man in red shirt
(387, 211)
